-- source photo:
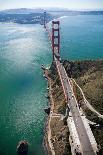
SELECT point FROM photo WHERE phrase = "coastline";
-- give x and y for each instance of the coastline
(56, 132)
(48, 119)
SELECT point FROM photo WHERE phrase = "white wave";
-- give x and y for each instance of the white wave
(62, 17)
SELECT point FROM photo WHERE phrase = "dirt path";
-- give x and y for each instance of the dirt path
(86, 102)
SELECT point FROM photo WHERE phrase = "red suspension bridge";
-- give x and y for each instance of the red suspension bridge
(83, 141)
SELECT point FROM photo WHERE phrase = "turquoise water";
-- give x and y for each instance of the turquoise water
(82, 37)
(23, 48)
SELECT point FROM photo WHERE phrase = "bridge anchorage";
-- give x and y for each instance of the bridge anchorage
(81, 138)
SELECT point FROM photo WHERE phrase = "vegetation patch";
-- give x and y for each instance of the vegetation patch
(59, 129)
(57, 91)
(60, 137)
(89, 75)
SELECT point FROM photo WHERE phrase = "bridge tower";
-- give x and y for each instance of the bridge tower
(55, 39)
(44, 19)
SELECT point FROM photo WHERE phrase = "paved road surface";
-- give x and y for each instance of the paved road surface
(72, 102)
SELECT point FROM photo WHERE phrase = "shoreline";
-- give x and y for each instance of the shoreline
(48, 118)
(45, 145)
(56, 132)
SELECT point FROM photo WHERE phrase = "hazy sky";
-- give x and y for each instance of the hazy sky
(71, 4)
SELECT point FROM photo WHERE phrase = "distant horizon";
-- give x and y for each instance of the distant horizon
(61, 8)
(67, 4)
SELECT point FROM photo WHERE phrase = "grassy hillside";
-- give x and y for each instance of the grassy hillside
(89, 76)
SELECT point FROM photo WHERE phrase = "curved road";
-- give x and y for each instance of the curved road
(86, 102)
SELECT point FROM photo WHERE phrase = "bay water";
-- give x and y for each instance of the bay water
(23, 49)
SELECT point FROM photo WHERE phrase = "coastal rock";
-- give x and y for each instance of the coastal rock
(47, 96)
(22, 148)
(47, 110)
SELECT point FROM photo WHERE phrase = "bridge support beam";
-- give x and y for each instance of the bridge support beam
(45, 19)
(55, 38)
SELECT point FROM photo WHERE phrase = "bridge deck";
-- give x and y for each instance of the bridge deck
(86, 146)
(72, 102)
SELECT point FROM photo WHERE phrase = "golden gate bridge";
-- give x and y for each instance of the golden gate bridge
(81, 138)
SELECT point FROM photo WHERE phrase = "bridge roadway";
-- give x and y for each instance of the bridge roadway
(73, 105)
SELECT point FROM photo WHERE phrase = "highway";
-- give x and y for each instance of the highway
(86, 147)
(73, 105)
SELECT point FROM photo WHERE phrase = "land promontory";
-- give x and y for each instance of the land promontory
(87, 79)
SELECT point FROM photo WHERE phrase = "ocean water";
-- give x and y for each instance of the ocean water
(23, 49)
(82, 37)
